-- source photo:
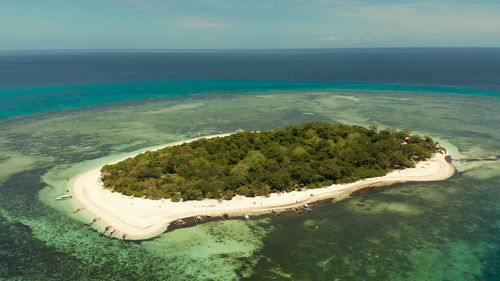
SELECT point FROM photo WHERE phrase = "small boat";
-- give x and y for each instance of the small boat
(78, 210)
(209, 217)
(199, 219)
(297, 211)
(180, 223)
(112, 232)
(226, 216)
(307, 208)
(64, 197)
(247, 217)
(275, 213)
(94, 221)
(106, 229)
(124, 237)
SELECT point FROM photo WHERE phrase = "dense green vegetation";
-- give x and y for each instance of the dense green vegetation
(310, 155)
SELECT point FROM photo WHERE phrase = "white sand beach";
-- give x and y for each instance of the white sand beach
(141, 218)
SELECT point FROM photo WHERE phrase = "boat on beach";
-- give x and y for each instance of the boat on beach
(106, 229)
(64, 197)
(180, 223)
(78, 210)
(307, 208)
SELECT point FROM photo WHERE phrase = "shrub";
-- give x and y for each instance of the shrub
(176, 197)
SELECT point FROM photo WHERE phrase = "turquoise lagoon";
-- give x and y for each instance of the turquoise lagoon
(416, 231)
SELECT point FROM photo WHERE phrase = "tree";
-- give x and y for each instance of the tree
(314, 154)
(228, 194)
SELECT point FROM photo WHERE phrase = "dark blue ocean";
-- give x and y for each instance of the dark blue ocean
(33, 81)
(65, 112)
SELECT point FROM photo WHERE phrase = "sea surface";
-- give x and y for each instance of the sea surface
(63, 112)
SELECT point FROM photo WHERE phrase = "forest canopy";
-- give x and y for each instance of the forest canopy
(310, 155)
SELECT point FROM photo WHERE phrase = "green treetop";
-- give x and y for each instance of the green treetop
(310, 155)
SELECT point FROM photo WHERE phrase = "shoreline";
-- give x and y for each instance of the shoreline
(142, 218)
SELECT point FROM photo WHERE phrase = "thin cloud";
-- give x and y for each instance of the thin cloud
(216, 3)
(199, 22)
(148, 5)
(426, 17)
(330, 38)
(352, 38)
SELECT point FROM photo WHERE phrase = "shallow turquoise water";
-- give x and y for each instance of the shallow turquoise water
(426, 231)
(29, 100)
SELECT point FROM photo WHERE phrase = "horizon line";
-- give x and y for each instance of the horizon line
(246, 49)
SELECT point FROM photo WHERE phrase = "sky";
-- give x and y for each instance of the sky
(247, 24)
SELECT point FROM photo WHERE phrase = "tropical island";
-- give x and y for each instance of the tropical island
(307, 156)
(256, 172)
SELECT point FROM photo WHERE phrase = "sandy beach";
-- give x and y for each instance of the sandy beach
(141, 218)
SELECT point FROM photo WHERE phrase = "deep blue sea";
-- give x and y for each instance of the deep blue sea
(33, 81)
(62, 112)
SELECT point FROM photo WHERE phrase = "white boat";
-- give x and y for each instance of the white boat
(247, 217)
(63, 197)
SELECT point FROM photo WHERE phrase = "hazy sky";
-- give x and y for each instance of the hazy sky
(198, 24)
